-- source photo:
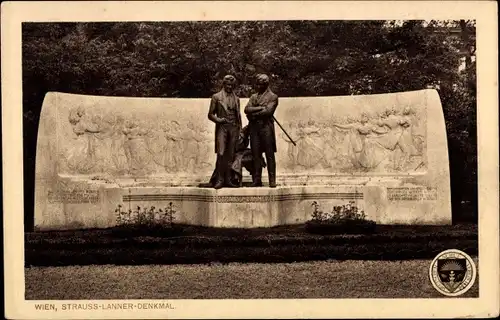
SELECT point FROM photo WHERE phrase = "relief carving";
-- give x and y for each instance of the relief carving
(401, 140)
(163, 145)
(179, 149)
(366, 150)
(135, 146)
(385, 142)
(109, 143)
(82, 156)
(115, 144)
(310, 145)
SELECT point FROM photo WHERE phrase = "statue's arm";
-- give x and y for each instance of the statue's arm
(211, 112)
(79, 130)
(288, 139)
(310, 130)
(404, 123)
(345, 127)
(251, 108)
(379, 131)
(90, 127)
(92, 130)
(269, 108)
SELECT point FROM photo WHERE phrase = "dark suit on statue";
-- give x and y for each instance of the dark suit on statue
(243, 158)
(262, 133)
(225, 106)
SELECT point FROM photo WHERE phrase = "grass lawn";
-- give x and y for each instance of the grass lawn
(318, 279)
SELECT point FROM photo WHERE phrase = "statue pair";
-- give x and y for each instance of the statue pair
(231, 140)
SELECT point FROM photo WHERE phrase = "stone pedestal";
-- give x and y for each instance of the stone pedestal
(242, 207)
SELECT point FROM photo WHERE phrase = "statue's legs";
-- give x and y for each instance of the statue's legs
(219, 168)
(227, 138)
(261, 142)
(255, 146)
(232, 140)
(266, 143)
(271, 168)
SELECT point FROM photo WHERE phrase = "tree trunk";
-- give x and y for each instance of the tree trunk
(469, 48)
(467, 44)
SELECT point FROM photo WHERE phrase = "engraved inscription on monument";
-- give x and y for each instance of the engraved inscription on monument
(411, 194)
(81, 196)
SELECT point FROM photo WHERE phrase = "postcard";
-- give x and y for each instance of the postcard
(250, 159)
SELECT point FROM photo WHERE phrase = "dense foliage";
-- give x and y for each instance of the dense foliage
(305, 58)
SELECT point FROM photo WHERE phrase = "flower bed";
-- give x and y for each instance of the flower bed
(145, 221)
(345, 219)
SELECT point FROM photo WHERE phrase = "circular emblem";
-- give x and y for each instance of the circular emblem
(452, 272)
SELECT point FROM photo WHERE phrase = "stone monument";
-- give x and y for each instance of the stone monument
(386, 152)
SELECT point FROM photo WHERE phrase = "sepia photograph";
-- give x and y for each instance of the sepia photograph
(263, 158)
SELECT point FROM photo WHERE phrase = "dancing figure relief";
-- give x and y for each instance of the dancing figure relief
(135, 146)
(365, 151)
(313, 149)
(203, 140)
(400, 139)
(387, 142)
(113, 144)
(82, 155)
(292, 150)
(388, 139)
(163, 145)
(173, 139)
(311, 153)
(190, 147)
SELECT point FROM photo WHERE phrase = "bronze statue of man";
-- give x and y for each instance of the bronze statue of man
(243, 158)
(260, 110)
(225, 113)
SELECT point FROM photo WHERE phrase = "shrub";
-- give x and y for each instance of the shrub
(146, 221)
(342, 219)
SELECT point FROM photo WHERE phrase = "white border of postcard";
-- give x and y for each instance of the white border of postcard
(485, 13)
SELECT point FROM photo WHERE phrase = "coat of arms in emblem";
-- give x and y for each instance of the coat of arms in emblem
(452, 272)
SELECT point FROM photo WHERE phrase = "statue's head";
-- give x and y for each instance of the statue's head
(174, 124)
(229, 82)
(364, 118)
(80, 112)
(73, 119)
(407, 110)
(191, 125)
(387, 112)
(262, 82)
(75, 115)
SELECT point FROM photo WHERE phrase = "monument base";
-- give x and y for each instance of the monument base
(81, 205)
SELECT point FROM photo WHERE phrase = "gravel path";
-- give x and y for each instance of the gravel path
(324, 279)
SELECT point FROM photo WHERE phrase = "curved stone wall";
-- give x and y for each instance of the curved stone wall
(392, 146)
